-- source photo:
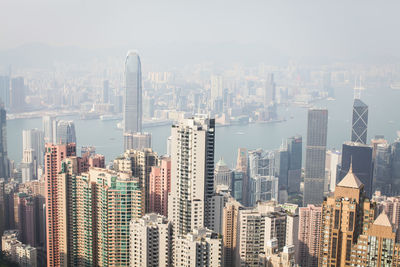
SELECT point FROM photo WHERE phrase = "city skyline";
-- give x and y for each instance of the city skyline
(235, 137)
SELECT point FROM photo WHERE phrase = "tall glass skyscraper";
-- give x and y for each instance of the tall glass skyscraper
(359, 156)
(360, 122)
(133, 93)
(5, 90)
(295, 150)
(317, 131)
(4, 169)
(66, 132)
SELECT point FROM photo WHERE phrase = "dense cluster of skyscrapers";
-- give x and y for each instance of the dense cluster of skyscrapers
(182, 209)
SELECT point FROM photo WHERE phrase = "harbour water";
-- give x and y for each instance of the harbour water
(384, 119)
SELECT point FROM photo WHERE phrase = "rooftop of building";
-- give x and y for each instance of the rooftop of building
(359, 103)
(350, 180)
(151, 219)
(202, 234)
(383, 220)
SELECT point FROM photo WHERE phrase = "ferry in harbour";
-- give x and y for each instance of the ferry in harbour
(110, 117)
(395, 85)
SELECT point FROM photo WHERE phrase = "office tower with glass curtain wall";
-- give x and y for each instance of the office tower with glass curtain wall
(133, 93)
(317, 131)
(360, 122)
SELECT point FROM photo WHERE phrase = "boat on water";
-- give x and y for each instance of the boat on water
(395, 85)
(110, 117)
(89, 116)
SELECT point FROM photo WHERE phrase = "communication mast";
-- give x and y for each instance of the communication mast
(358, 88)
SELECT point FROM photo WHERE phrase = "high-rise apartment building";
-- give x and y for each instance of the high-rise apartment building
(275, 228)
(345, 216)
(230, 227)
(26, 217)
(54, 154)
(292, 231)
(4, 164)
(140, 163)
(133, 93)
(273, 256)
(160, 186)
(390, 206)
(295, 151)
(34, 191)
(359, 156)
(252, 229)
(360, 122)
(94, 208)
(377, 247)
(17, 252)
(317, 131)
(192, 172)
(106, 202)
(309, 236)
(201, 247)
(65, 133)
(150, 241)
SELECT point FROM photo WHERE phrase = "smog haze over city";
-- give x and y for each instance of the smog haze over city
(173, 33)
(199, 133)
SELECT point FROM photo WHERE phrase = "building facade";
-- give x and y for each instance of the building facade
(201, 247)
(151, 241)
(192, 174)
(54, 154)
(360, 122)
(140, 163)
(359, 156)
(17, 252)
(345, 216)
(106, 202)
(309, 236)
(317, 131)
(4, 162)
(160, 186)
(222, 174)
(295, 150)
(137, 140)
(133, 93)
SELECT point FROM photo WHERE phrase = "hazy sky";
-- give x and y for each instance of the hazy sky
(341, 28)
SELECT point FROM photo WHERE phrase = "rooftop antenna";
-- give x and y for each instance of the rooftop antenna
(358, 88)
